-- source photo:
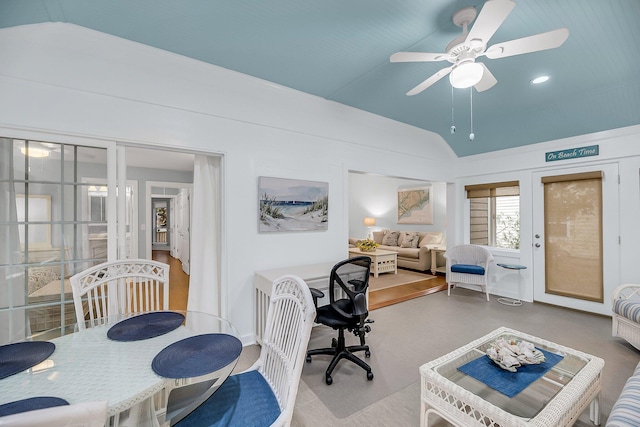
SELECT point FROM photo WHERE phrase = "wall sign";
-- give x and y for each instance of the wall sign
(572, 153)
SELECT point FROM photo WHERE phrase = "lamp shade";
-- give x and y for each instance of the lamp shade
(466, 75)
(369, 222)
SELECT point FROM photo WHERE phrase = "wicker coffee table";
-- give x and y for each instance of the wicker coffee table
(382, 261)
(556, 399)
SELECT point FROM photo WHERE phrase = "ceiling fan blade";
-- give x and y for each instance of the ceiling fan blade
(431, 80)
(418, 57)
(492, 15)
(487, 81)
(543, 41)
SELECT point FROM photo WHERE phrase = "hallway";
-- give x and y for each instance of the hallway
(178, 280)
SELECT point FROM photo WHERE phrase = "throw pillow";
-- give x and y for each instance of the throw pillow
(378, 236)
(390, 238)
(431, 239)
(410, 240)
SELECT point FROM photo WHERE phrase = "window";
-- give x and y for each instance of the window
(45, 220)
(494, 214)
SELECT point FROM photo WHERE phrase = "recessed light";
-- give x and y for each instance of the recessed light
(540, 79)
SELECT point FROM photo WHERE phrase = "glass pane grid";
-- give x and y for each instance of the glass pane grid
(52, 241)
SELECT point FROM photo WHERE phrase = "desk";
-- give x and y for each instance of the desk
(315, 276)
(86, 365)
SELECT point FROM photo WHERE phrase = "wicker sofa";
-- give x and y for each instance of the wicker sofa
(44, 287)
(626, 410)
(626, 324)
(626, 313)
(413, 247)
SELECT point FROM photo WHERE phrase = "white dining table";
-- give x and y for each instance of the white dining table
(87, 365)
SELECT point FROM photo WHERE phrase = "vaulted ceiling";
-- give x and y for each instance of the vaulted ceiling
(339, 50)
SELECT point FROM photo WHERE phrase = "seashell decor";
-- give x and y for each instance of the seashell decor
(510, 355)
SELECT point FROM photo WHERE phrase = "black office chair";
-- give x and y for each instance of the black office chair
(348, 278)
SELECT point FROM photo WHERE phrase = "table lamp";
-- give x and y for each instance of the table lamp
(369, 222)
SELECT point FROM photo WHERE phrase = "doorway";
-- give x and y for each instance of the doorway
(575, 236)
(161, 222)
(175, 198)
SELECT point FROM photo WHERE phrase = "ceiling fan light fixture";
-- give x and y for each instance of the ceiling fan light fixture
(539, 79)
(466, 75)
(34, 152)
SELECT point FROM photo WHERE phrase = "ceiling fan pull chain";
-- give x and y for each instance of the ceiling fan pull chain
(453, 126)
(472, 135)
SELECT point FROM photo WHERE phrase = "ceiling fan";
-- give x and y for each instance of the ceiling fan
(463, 51)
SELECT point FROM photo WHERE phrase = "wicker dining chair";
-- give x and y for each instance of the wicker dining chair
(264, 395)
(119, 287)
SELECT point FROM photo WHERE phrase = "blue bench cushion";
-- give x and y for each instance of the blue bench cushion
(626, 410)
(627, 309)
(467, 268)
(243, 400)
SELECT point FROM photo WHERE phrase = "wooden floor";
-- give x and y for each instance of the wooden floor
(179, 287)
(178, 280)
(393, 295)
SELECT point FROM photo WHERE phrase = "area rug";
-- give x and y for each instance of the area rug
(394, 364)
(388, 280)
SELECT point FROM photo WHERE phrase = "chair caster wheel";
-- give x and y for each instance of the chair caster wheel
(367, 353)
(308, 359)
(369, 376)
(328, 379)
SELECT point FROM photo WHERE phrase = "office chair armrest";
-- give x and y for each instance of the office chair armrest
(316, 293)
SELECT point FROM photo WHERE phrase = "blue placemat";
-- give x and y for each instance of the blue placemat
(508, 383)
(145, 326)
(30, 404)
(19, 356)
(195, 356)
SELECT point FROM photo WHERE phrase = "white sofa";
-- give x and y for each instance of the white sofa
(415, 255)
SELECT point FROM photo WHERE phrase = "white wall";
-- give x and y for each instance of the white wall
(618, 149)
(377, 196)
(58, 80)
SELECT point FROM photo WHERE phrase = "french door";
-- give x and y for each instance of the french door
(575, 236)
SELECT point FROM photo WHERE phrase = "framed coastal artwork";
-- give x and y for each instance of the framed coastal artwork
(292, 205)
(415, 205)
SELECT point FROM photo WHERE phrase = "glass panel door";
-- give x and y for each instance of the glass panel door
(46, 235)
(576, 247)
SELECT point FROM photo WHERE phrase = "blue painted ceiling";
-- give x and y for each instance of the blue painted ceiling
(339, 50)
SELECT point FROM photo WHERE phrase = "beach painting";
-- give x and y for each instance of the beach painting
(414, 205)
(292, 204)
